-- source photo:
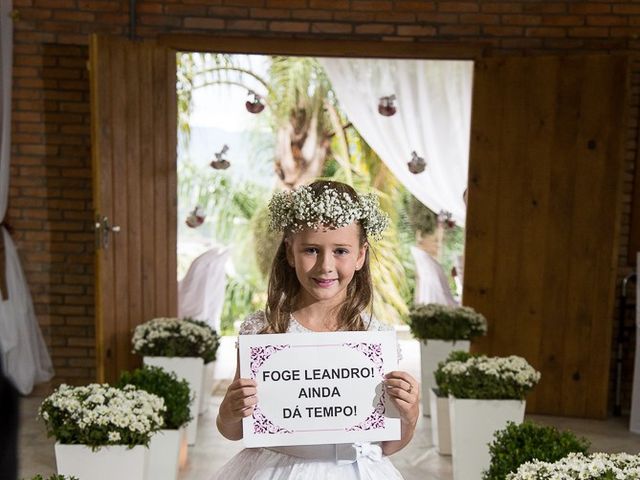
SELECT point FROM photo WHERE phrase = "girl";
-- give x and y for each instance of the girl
(319, 282)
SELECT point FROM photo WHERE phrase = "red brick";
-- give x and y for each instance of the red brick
(502, 7)
(331, 28)
(500, 31)
(416, 30)
(415, 5)
(437, 18)
(479, 18)
(73, 16)
(375, 29)
(462, 30)
(329, 4)
(545, 7)
(206, 23)
(371, 5)
(228, 12)
(246, 24)
(269, 13)
(563, 20)
(178, 9)
(287, 3)
(71, 4)
(545, 32)
(101, 5)
(521, 19)
(292, 27)
(588, 32)
(308, 14)
(627, 8)
(589, 7)
(606, 20)
(458, 7)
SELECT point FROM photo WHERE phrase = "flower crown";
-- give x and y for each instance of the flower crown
(303, 208)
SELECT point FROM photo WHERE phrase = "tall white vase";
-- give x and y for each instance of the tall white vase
(440, 423)
(432, 353)
(473, 423)
(106, 463)
(207, 386)
(189, 369)
(164, 452)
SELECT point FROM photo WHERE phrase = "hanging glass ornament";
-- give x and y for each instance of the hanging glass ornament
(416, 164)
(219, 162)
(386, 106)
(196, 217)
(446, 219)
(255, 104)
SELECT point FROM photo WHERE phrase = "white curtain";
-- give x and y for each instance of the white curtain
(431, 282)
(201, 291)
(24, 355)
(433, 99)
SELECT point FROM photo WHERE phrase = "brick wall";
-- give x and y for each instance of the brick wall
(50, 198)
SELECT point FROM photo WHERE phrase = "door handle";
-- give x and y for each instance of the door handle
(103, 231)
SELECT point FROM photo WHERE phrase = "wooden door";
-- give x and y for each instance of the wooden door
(545, 173)
(133, 102)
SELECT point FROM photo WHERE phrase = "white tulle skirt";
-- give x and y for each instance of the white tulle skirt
(266, 464)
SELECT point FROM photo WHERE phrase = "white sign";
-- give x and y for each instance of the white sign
(320, 388)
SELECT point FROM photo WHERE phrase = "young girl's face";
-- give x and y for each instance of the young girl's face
(325, 261)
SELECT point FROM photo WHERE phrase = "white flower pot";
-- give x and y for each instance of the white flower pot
(164, 452)
(440, 423)
(207, 386)
(189, 369)
(107, 463)
(432, 353)
(473, 423)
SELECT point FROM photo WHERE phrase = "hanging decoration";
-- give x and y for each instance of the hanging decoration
(446, 219)
(196, 217)
(221, 163)
(416, 164)
(255, 104)
(386, 106)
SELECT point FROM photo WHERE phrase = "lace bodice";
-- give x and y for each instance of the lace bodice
(255, 323)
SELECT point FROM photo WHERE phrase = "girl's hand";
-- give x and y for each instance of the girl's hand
(404, 392)
(239, 401)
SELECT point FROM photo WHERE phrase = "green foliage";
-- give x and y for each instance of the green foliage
(441, 377)
(441, 322)
(211, 348)
(176, 393)
(517, 444)
(266, 242)
(421, 218)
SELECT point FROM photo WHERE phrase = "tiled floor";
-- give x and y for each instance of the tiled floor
(416, 462)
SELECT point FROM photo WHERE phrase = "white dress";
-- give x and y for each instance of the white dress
(362, 461)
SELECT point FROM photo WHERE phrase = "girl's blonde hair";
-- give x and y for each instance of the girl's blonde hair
(284, 286)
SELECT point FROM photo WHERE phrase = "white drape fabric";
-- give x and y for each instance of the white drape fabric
(25, 357)
(201, 291)
(634, 420)
(433, 99)
(431, 282)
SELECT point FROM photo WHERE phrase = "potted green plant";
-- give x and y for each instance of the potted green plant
(439, 405)
(164, 448)
(209, 358)
(442, 329)
(102, 432)
(578, 466)
(526, 442)
(485, 393)
(179, 346)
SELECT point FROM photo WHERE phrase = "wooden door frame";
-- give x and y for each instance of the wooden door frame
(325, 48)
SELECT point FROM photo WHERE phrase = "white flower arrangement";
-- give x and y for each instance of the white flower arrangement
(174, 337)
(577, 466)
(434, 321)
(485, 377)
(98, 415)
(303, 208)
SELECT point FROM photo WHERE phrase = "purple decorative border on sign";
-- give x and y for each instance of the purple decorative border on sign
(259, 355)
(373, 421)
(262, 424)
(373, 351)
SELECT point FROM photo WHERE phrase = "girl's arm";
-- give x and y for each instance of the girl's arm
(398, 385)
(238, 403)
